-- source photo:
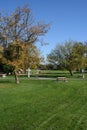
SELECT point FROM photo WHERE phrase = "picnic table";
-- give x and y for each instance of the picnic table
(3, 75)
(61, 79)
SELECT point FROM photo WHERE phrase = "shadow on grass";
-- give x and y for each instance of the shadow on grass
(56, 73)
(5, 81)
(51, 76)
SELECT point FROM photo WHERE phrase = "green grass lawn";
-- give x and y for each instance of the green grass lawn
(43, 105)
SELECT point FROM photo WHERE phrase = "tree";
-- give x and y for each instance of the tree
(18, 33)
(1, 52)
(69, 55)
(32, 56)
(19, 55)
(85, 54)
(78, 55)
(20, 25)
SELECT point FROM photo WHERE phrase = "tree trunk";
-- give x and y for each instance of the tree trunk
(71, 73)
(16, 77)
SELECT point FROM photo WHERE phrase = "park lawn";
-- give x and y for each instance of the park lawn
(43, 105)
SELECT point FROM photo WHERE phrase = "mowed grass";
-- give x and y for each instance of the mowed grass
(43, 105)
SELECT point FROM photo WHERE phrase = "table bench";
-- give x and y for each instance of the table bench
(61, 79)
(3, 75)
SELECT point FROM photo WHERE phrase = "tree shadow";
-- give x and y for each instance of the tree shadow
(5, 81)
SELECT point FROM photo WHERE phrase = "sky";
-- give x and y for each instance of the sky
(68, 19)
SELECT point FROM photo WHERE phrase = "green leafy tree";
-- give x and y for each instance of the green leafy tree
(69, 56)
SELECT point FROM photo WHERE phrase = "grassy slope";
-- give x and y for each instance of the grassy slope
(43, 105)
